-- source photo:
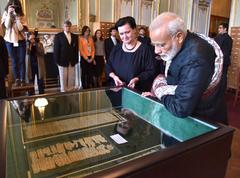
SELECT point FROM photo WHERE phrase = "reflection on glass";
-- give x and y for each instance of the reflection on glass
(74, 139)
(40, 103)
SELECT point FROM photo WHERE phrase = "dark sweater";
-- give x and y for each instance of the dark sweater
(127, 65)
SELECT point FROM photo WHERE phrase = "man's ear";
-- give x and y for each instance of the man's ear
(180, 37)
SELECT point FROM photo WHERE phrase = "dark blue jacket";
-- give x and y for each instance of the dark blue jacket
(65, 53)
(191, 70)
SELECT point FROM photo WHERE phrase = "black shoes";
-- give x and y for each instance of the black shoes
(16, 83)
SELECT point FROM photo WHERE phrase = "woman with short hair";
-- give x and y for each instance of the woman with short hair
(132, 62)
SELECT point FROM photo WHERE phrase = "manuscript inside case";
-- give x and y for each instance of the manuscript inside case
(44, 129)
(81, 151)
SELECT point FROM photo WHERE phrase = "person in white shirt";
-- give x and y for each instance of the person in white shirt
(51, 66)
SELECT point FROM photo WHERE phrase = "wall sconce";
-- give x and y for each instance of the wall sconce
(40, 103)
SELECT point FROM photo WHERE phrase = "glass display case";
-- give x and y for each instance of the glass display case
(108, 132)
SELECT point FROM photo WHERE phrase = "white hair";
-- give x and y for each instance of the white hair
(174, 23)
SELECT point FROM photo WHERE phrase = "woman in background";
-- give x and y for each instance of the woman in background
(99, 56)
(14, 22)
(87, 52)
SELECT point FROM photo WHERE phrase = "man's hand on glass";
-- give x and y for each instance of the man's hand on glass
(145, 94)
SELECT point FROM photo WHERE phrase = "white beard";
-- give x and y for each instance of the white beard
(171, 54)
(167, 57)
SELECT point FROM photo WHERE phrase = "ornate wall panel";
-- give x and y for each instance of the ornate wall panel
(201, 16)
(181, 7)
(126, 8)
(235, 13)
(106, 10)
(47, 13)
(146, 13)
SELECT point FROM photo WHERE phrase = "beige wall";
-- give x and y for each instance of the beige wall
(235, 14)
(106, 12)
(3, 4)
(58, 8)
(221, 8)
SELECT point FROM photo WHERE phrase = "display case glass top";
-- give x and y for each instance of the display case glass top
(81, 133)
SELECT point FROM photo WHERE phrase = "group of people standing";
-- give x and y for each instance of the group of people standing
(93, 52)
(192, 84)
(67, 50)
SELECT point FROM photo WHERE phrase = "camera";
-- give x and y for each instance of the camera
(16, 8)
(37, 40)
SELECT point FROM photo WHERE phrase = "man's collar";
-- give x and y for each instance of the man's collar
(67, 33)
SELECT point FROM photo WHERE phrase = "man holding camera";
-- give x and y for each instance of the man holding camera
(36, 66)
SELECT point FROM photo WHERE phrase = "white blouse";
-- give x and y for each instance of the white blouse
(14, 27)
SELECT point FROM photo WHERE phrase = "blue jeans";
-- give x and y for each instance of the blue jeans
(17, 54)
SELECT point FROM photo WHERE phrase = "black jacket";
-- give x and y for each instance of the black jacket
(65, 53)
(3, 59)
(191, 70)
(225, 43)
(145, 40)
(108, 44)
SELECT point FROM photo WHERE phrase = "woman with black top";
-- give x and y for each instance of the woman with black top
(131, 63)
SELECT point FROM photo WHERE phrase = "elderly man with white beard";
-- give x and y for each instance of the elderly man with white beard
(192, 83)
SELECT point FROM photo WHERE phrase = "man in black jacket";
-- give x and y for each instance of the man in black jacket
(192, 83)
(66, 56)
(142, 36)
(110, 42)
(225, 43)
(3, 67)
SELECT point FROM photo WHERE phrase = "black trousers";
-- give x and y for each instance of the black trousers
(2, 88)
(88, 75)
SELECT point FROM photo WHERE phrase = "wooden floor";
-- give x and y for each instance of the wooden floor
(233, 170)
